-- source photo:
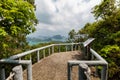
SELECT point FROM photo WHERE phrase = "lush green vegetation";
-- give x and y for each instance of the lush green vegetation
(106, 31)
(17, 19)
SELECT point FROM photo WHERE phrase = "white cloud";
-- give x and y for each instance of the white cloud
(60, 16)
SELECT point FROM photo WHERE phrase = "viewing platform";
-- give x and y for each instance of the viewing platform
(66, 61)
(54, 67)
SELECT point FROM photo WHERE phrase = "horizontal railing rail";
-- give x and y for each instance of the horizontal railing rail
(42, 52)
(28, 63)
(99, 62)
(41, 48)
(51, 49)
(90, 54)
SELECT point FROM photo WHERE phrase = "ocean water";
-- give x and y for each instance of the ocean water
(36, 42)
(32, 40)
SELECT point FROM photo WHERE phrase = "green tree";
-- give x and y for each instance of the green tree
(83, 31)
(71, 35)
(17, 19)
(31, 1)
(105, 9)
(106, 31)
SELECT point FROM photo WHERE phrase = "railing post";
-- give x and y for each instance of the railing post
(58, 48)
(78, 47)
(44, 53)
(75, 47)
(53, 49)
(29, 71)
(20, 58)
(38, 56)
(92, 57)
(66, 48)
(104, 72)
(49, 51)
(2, 73)
(30, 57)
(88, 52)
(72, 47)
(69, 71)
(83, 50)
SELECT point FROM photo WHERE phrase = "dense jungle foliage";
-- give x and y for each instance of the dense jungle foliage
(17, 19)
(106, 31)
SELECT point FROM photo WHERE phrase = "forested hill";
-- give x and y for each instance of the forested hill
(34, 40)
(106, 31)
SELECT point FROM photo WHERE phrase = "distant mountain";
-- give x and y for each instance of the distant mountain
(33, 39)
(43, 39)
(57, 37)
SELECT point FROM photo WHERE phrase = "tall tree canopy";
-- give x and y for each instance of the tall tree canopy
(71, 35)
(17, 19)
(105, 9)
(106, 30)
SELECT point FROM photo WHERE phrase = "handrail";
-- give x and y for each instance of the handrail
(28, 52)
(5, 61)
(97, 55)
(91, 63)
(12, 59)
(99, 62)
(37, 49)
(51, 49)
(21, 62)
(90, 52)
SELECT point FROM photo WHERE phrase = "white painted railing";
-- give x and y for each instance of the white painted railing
(49, 47)
(43, 52)
(93, 59)
(17, 59)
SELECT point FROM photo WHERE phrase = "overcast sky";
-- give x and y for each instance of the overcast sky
(60, 16)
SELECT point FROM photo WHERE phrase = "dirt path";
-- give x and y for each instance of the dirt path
(54, 67)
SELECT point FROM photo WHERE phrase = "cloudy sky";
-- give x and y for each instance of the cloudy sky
(60, 16)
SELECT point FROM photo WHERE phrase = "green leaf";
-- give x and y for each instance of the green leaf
(2, 32)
